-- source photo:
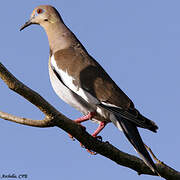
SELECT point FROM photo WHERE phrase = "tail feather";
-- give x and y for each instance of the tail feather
(151, 125)
(134, 116)
(132, 134)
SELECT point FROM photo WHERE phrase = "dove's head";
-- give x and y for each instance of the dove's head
(44, 15)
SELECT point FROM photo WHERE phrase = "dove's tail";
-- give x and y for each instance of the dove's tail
(132, 134)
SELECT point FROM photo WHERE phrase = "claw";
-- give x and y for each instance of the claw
(82, 145)
(91, 152)
(99, 138)
(73, 139)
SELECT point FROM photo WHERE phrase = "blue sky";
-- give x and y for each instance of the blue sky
(137, 42)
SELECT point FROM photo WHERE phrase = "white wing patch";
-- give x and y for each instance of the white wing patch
(110, 105)
(68, 81)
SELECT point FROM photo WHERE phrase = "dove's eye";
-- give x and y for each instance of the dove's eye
(39, 11)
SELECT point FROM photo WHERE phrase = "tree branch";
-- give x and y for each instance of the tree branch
(55, 118)
(46, 122)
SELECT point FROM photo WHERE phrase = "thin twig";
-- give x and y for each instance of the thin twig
(153, 155)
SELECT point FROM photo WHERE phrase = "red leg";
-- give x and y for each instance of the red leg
(99, 129)
(89, 116)
(85, 118)
(96, 132)
(82, 119)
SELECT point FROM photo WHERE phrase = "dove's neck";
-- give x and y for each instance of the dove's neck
(59, 36)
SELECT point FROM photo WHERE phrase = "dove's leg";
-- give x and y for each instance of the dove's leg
(83, 119)
(99, 129)
(101, 126)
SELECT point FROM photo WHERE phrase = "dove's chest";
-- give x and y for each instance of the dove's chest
(64, 87)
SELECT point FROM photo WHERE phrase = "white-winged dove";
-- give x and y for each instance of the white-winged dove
(80, 81)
